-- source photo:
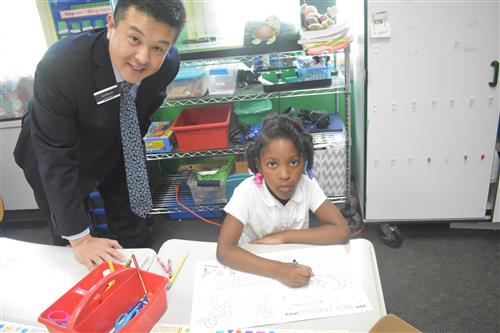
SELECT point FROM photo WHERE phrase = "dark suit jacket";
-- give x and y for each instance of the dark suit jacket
(77, 142)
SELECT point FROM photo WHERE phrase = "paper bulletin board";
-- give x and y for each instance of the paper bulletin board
(71, 17)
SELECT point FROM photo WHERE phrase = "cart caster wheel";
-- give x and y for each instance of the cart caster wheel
(391, 235)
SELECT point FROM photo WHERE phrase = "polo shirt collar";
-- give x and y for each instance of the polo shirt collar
(271, 201)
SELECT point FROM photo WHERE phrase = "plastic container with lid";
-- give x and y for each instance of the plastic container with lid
(189, 82)
(222, 79)
(207, 192)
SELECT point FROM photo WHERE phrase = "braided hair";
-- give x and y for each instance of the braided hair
(281, 127)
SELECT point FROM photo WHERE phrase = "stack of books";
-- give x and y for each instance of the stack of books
(327, 40)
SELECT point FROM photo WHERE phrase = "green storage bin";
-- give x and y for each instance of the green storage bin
(252, 112)
(226, 162)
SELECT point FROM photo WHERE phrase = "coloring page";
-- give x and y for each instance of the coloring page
(226, 298)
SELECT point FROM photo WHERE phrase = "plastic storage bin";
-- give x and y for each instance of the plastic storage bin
(233, 181)
(313, 68)
(223, 166)
(314, 73)
(185, 197)
(252, 112)
(207, 192)
(92, 307)
(209, 187)
(203, 128)
(222, 79)
(189, 82)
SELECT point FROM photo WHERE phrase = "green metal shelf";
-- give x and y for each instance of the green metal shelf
(256, 92)
(240, 149)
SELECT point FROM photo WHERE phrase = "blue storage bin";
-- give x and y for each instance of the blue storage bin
(186, 199)
(314, 73)
(233, 181)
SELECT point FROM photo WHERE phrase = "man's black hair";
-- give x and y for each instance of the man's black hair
(171, 12)
(281, 127)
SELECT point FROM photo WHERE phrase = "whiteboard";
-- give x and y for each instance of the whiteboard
(431, 115)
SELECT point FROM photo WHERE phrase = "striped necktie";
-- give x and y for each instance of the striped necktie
(133, 154)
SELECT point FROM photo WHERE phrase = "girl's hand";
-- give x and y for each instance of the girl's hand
(294, 276)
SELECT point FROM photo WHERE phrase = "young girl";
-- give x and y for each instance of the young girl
(273, 206)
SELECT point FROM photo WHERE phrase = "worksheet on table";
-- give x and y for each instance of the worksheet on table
(226, 298)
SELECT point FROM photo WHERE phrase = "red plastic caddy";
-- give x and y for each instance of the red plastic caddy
(95, 302)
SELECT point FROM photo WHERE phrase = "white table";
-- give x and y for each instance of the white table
(33, 276)
(360, 254)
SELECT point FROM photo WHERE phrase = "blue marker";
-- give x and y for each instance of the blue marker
(295, 262)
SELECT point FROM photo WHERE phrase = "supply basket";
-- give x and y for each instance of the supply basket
(95, 302)
(203, 128)
(314, 73)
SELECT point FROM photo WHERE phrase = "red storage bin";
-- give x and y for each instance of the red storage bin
(203, 128)
(93, 307)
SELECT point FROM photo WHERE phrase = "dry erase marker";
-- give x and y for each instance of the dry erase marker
(295, 262)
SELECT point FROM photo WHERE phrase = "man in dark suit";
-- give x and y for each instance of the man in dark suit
(71, 143)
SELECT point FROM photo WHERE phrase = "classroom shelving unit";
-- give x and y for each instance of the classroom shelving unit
(340, 85)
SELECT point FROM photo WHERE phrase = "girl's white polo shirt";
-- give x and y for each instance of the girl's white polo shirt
(262, 214)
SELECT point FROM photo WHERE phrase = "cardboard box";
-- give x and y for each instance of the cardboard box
(241, 167)
(159, 138)
(393, 324)
(330, 162)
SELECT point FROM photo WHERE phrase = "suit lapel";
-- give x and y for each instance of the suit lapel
(142, 94)
(104, 77)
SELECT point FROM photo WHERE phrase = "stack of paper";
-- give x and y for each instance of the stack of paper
(331, 39)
